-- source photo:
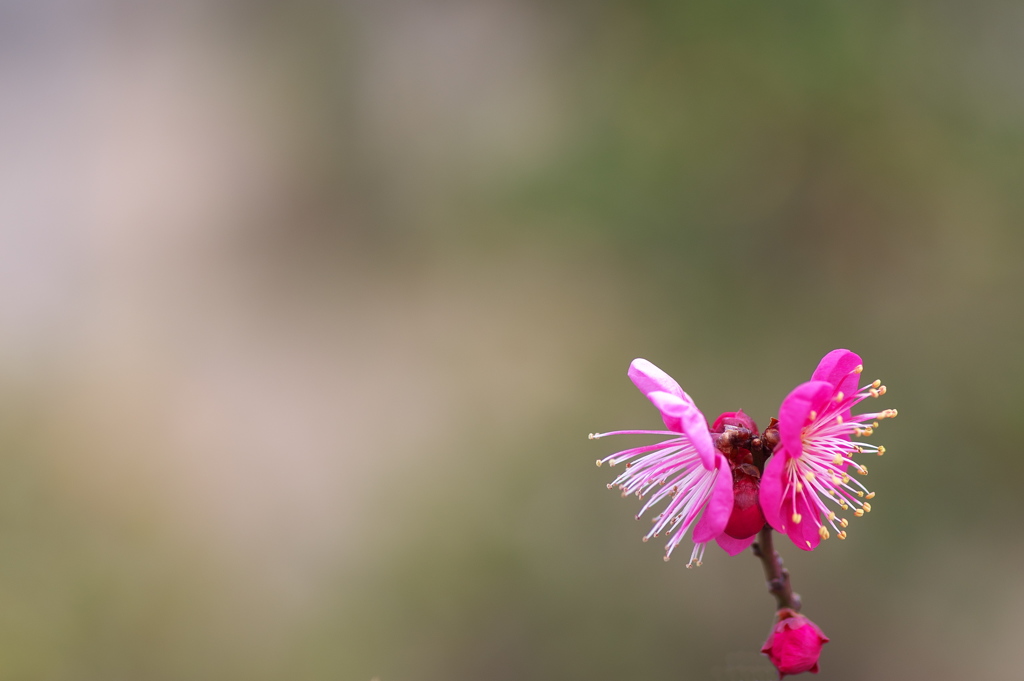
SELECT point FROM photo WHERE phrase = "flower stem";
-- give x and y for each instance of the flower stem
(774, 572)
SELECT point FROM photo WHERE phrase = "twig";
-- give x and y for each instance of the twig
(774, 572)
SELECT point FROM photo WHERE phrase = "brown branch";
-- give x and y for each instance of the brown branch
(774, 572)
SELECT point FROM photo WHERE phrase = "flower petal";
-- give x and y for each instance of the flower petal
(719, 506)
(837, 368)
(770, 493)
(805, 533)
(734, 546)
(682, 416)
(649, 378)
(670, 406)
(795, 412)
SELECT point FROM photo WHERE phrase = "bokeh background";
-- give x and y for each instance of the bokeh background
(308, 308)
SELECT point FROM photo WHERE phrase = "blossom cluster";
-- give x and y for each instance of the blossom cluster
(729, 482)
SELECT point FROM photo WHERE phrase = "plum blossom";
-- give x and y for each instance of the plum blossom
(732, 484)
(811, 466)
(686, 469)
(794, 643)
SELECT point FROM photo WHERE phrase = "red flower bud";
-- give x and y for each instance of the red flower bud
(794, 644)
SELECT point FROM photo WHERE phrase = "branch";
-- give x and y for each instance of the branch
(774, 572)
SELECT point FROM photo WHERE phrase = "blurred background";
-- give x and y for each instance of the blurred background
(307, 308)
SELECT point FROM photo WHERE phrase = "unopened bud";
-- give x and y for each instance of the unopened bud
(794, 643)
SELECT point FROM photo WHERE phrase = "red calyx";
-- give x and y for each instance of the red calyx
(746, 519)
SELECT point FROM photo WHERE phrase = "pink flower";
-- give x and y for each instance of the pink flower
(686, 470)
(794, 644)
(811, 465)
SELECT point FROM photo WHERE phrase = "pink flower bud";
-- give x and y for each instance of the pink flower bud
(794, 644)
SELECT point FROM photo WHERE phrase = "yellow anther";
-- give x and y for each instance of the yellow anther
(870, 495)
(799, 487)
(863, 470)
(875, 423)
(831, 515)
(859, 369)
(644, 540)
(838, 459)
(839, 418)
(860, 494)
(845, 507)
(590, 436)
(808, 544)
(873, 392)
(809, 475)
(841, 534)
(599, 463)
(876, 383)
(881, 450)
(843, 522)
(797, 518)
(822, 532)
(866, 506)
(881, 391)
(858, 512)
(846, 478)
(839, 396)
(835, 480)
(813, 415)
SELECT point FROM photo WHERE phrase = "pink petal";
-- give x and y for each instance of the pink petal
(837, 368)
(719, 507)
(670, 406)
(795, 410)
(649, 378)
(682, 416)
(770, 494)
(734, 546)
(805, 533)
(677, 409)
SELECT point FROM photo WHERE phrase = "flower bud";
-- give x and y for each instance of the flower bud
(794, 644)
